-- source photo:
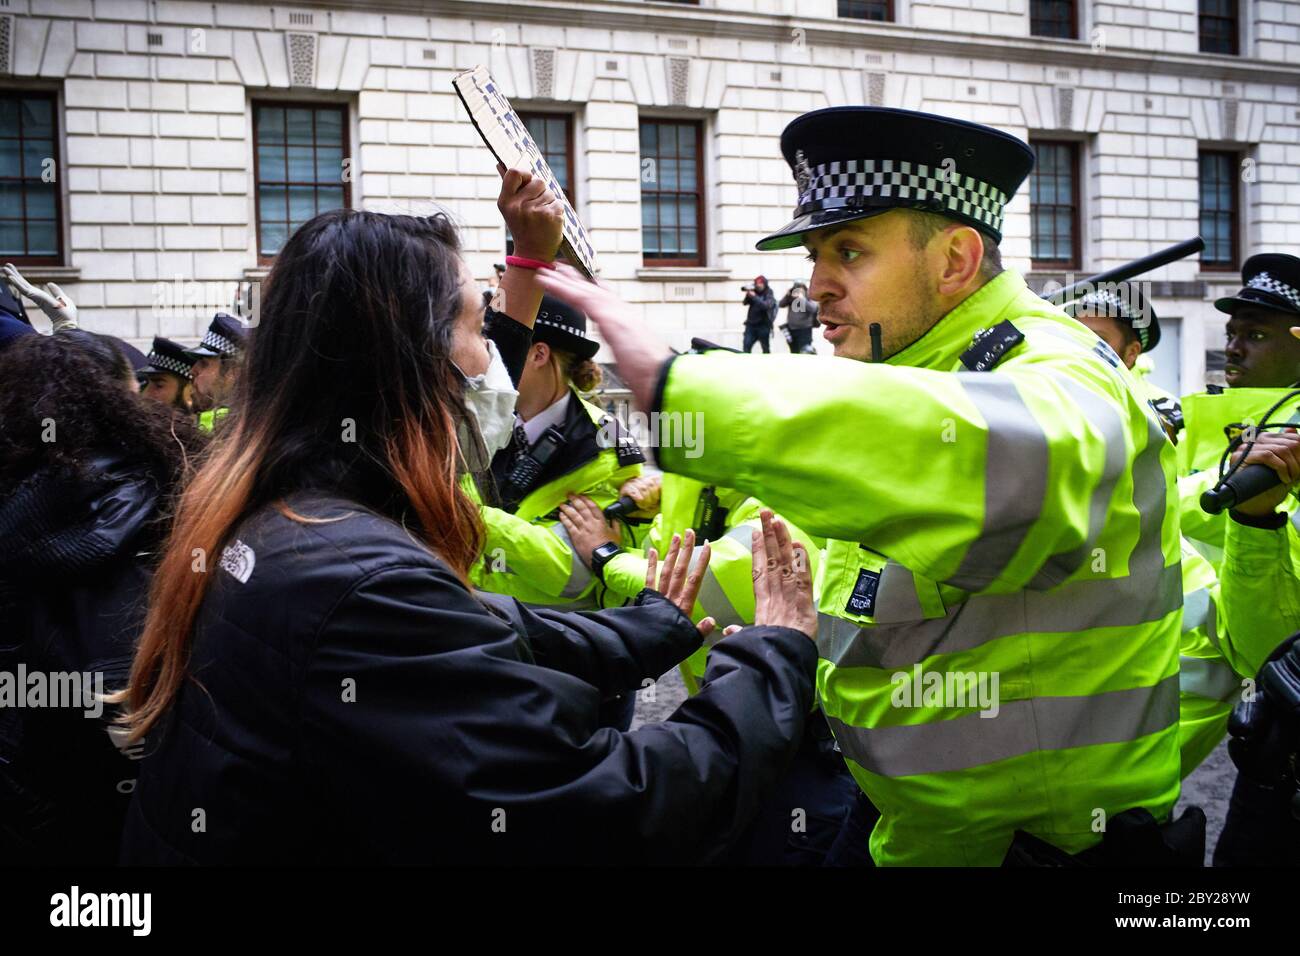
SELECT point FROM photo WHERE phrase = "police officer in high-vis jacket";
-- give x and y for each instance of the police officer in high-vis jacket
(563, 445)
(217, 360)
(1123, 317)
(1001, 592)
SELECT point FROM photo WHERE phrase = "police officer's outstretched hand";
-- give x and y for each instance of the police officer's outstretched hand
(782, 579)
(679, 582)
(638, 353)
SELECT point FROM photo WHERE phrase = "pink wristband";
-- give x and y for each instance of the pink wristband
(524, 263)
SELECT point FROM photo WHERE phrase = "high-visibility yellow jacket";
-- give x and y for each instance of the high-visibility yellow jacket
(727, 591)
(208, 420)
(1209, 681)
(1009, 533)
(1210, 420)
(1259, 587)
(527, 553)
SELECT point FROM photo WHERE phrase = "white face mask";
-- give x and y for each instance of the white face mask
(492, 397)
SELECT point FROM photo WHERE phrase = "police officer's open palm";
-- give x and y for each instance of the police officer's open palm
(680, 579)
(782, 579)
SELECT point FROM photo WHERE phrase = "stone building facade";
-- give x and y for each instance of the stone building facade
(157, 162)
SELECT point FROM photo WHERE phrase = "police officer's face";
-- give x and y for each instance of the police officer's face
(1110, 331)
(168, 389)
(206, 373)
(1260, 351)
(870, 271)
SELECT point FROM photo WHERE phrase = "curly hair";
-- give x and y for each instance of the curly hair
(65, 398)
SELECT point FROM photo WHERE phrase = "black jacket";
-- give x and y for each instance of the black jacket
(762, 307)
(358, 704)
(75, 566)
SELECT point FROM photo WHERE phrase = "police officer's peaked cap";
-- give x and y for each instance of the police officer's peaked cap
(1270, 281)
(853, 162)
(562, 326)
(169, 356)
(1125, 302)
(226, 336)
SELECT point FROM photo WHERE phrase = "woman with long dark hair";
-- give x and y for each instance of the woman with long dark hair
(87, 470)
(317, 683)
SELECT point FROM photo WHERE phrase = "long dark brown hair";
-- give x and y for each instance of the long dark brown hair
(349, 387)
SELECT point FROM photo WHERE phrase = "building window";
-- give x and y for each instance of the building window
(1054, 205)
(30, 205)
(553, 134)
(299, 153)
(672, 195)
(1053, 18)
(866, 9)
(1218, 202)
(1218, 26)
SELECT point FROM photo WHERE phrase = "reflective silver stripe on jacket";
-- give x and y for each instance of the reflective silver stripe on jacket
(1020, 727)
(579, 576)
(1148, 594)
(1077, 606)
(1196, 609)
(1106, 419)
(712, 598)
(1211, 679)
(1015, 478)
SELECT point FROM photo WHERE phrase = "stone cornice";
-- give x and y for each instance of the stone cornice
(640, 15)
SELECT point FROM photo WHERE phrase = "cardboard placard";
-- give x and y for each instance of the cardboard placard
(508, 139)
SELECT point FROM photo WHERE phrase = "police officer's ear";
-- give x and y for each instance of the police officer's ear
(1132, 349)
(958, 251)
(539, 355)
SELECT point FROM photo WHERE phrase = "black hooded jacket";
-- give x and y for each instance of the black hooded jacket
(75, 565)
(352, 702)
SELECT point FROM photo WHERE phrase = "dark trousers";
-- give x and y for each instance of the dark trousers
(759, 334)
(801, 340)
(799, 823)
(1259, 830)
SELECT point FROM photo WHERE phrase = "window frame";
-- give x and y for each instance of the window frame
(1074, 23)
(56, 138)
(1076, 205)
(891, 12)
(570, 191)
(345, 126)
(701, 257)
(1234, 156)
(1234, 20)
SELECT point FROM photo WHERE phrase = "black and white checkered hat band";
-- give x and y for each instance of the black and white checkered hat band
(836, 185)
(1112, 305)
(219, 343)
(1115, 306)
(564, 328)
(169, 364)
(1266, 283)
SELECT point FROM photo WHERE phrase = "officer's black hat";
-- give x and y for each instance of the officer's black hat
(852, 162)
(562, 326)
(168, 356)
(1125, 303)
(1270, 281)
(226, 337)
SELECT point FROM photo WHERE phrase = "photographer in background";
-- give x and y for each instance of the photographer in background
(800, 318)
(762, 311)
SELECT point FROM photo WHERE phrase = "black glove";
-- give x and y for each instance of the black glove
(1265, 732)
